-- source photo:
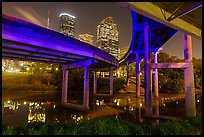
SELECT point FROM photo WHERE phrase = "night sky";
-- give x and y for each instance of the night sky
(88, 16)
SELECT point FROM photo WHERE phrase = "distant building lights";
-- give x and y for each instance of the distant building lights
(21, 64)
(66, 14)
(140, 104)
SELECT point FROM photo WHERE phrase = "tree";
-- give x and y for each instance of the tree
(197, 66)
(170, 80)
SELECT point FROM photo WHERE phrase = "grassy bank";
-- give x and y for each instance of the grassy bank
(20, 82)
(108, 126)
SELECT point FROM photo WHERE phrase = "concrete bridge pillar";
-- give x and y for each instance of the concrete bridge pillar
(137, 75)
(189, 78)
(157, 109)
(94, 83)
(111, 82)
(156, 91)
(127, 73)
(86, 88)
(64, 86)
(147, 72)
(138, 110)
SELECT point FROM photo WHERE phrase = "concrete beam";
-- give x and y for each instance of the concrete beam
(137, 75)
(190, 103)
(64, 86)
(154, 12)
(79, 64)
(86, 88)
(147, 72)
(156, 90)
(95, 83)
(127, 73)
(105, 60)
(111, 83)
(104, 69)
(170, 65)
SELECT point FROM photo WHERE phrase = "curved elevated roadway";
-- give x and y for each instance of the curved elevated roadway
(27, 41)
(23, 40)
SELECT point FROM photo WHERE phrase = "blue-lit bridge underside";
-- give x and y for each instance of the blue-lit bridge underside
(148, 36)
(30, 42)
(26, 41)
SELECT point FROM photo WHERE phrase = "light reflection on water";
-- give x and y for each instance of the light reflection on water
(130, 109)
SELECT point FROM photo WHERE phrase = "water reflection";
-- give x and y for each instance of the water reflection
(36, 112)
(128, 108)
(156, 110)
(138, 110)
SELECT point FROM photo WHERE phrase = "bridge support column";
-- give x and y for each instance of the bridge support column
(111, 82)
(127, 73)
(156, 91)
(94, 83)
(189, 78)
(86, 88)
(137, 75)
(64, 86)
(157, 109)
(138, 110)
(147, 72)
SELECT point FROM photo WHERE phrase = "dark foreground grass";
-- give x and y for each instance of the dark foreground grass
(107, 126)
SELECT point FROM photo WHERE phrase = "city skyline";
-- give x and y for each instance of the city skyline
(107, 36)
(67, 24)
(88, 16)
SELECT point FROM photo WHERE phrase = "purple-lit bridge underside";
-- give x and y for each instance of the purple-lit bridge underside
(26, 41)
(148, 36)
(22, 40)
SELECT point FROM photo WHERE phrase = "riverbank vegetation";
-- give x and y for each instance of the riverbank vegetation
(46, 77)
(172, 80)
(108, 126)
(41, 82)
(21, 82)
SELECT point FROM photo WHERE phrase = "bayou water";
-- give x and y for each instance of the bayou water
(47, 107)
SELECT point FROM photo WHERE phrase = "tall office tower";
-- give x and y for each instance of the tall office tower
(122, 51)
(67, 24)
(107, 36)
(87, 38)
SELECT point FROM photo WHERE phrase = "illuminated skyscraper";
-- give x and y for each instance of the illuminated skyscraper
(122, 51)
(67, 24)
(87, 38)
(107, 36)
